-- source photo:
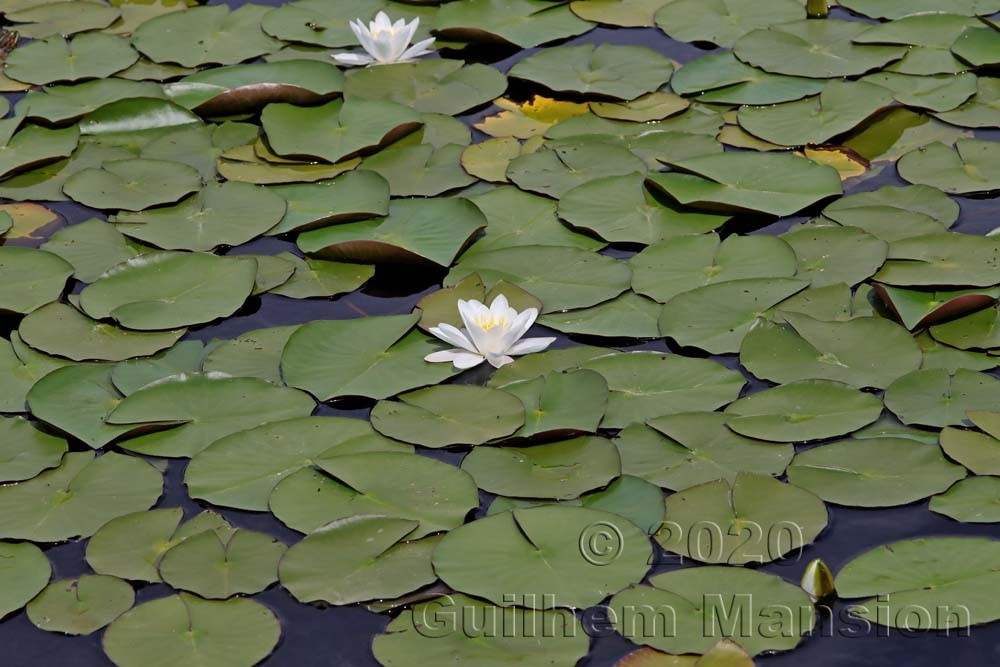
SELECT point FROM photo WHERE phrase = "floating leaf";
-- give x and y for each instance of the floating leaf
(435, 494)
(804, 410)
(528, 119)
(86, 56)
(918, 309)
(862, 473)
(524, 23)
(33, 145)
(430, 86)
(622, 72)
(755, 519)
(232, 633)
(355, 195)
(132, 184)
(980, 111)
(702, 598)
(941, 92)
(319, 22)
(976, 331)
(81, 606)
(972, 500)
(449, 415)
(30, 278)
(968, 167)
(24, 571)
(358, 559)
(64, 103)
(979, 452)
(561, 403)
(887, 9)
(936, 398)
(78, 497)
(684, 263)
(643, 385)
(560, 470)
(420, 170)
(723, 22)
(754, 182)
(559, 167)
(42, 19)
(626, 316)
(933, 573)
(942, 259)
(168, 290)
(219, 567)
(26, 451)
(893, 213)
(720, 77)
(541, 556)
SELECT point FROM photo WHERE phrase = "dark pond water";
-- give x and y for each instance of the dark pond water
(341, 637)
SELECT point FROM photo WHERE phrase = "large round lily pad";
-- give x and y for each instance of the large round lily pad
(881, 473)
(30, 278)
(925, 584)
(525, 23)
(449, 415)
(723, 22)
(132, 185)
(804, 410)
(972, 500)
(968, 167)
(81, 606)
(544, 557)
(429, 86)
(231, 633)
(168, 290)
(622, 72)
(934, 397)
(78, 497)
(756, 519)
(86, 56)
(24, 571)
(26, 450)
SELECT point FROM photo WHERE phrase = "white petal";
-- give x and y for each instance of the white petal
(364, 37)
(499, 307)
(410, 29)
(497, 362)
(460, 358)
(518, 328)
(479, 338)
(450, 334)
(417, 50)
(382, 21)
(353, 59)
(529, 345)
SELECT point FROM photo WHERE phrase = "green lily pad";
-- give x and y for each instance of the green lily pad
(862, 352)
(232, 633)
(240, 470)
(839, 108)
(936, 398)
(643, 385)
(559, 167)
(942, 92)
(561, 403)
(78, 497)
(884, 473)
(804, 410)
(980, 110)
(978, 45)
(26, 451)
(22, 368)
(561, 470)
(723, 22)
(651, 106)
(930, 37)
(30, 278)
(611, 70)
(465, 630)
(210, 35)
(951, 359)
(337, 130)
(86, 56)
(918, 309)
(200, 409)
(420, 170)
(691, 448)
(358, 559)
(88, 388)
(560, 277)
(130, 546)
(975, 331)
(449, 415)
(167, 290)
(57, 104)
(60, 329)
(24, 571)
(930, 573)
(721, 78)
(887, 9)
(684, 263)
(972, 500)
(893, 213)
(320, 278)
(217, 567)
(518, 218)
(132, 184)
(421, 231)
(754, 519)
(45, 183)
(626, 316)
(968, 167)
(352, 196)
(247, 88)
(979, 452)
(717, 317)
(542, 556)
(33, 145)
(775, 184)
(623, 13)
(42, 19)
(524, 23)
(80, 606)
(220, 214)
(372, 356)
(435, 494)
(622, 209)
(183, 358)
(318, 22)
(429, 86)
(816, 49)
(704, 600)
(942, 259)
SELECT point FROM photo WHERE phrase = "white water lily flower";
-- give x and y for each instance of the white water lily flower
(385, 42)
(490, 334)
